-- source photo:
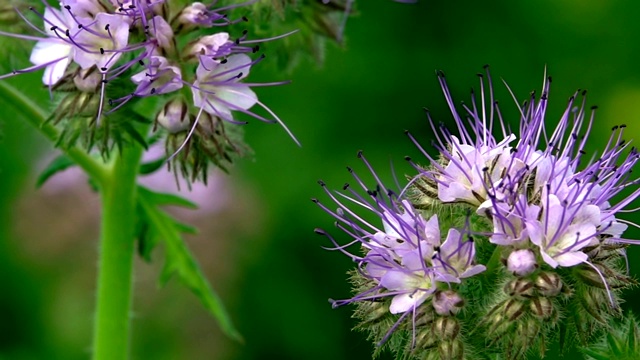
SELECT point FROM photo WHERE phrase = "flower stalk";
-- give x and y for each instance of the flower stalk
(115, 268)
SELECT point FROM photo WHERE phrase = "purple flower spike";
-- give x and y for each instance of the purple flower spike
(535, 186)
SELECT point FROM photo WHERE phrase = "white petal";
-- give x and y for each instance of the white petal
(405, 302)
(236, 97)
(571, 258)
(49, 50)
(398, 280)
(239, 63)
(55, 18)
(54, 72)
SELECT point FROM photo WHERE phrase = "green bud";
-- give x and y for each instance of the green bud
(451, 350)
(425, 339)
(374, 312)
(446, 327)
(519, 288)
(548, 284)
(594, 301)
(513, 309)
(541, 307)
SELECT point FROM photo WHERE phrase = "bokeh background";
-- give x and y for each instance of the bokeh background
(256, 243)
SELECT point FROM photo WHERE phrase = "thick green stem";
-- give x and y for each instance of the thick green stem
(111, 333)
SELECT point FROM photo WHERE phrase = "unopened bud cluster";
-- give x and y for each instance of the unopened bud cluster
(499, 244)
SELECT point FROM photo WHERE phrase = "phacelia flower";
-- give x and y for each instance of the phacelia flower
(534, 243)
(543, 204)
(404, 262)
(100, 58)
(217, 88)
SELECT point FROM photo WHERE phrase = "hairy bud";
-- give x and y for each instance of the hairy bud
(548, 284)
(174, 116)
(447, 302)
(519, 288)
(541, 307)
(446, 327)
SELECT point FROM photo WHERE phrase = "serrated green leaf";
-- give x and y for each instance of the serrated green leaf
(152, 166)
(135, 135)
(180, 261)
(58, 164)
(164, 199)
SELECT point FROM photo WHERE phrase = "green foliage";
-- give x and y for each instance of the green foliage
(620, 341)
(155, 226)
(315, 21)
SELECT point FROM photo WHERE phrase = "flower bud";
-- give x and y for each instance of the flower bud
(591, 277)
(174, 116)
(446, 327)
(216, 45)
(541, 307)
(447, 302)
(548, 284)
(513, 309)
(197, 14)
(88, 80)
(374, 312)
(521, 262)
(425, 339)
(451, 349)
(519, 288)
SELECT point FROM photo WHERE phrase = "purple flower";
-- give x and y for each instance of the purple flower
(218, 89)
(403, 255)
(536, 186)
(158, 78)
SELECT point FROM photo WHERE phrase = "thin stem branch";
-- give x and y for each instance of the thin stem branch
(37, 117)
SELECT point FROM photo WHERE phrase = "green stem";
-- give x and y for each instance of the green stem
(115, 268)
(37, 117)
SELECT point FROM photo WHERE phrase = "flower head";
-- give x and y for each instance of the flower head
(100, 57)
(404, 260)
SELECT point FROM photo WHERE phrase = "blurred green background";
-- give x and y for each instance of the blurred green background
(257, 244)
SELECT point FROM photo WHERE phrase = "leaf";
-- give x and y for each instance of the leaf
(135, 135)
(152, 166)
(595, 355)
(58, 164)
(179, 260)
(164, 199)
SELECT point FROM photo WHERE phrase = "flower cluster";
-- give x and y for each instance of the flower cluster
(409, 267)
(545, 249)
(537, 199)
(103, 56)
